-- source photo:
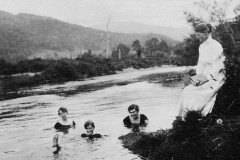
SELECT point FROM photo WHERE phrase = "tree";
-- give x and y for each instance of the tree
(152, 45)
(190, 54)
(163, 46)
(210, 12)
(137, 47)
(121, 49)
(237, 11)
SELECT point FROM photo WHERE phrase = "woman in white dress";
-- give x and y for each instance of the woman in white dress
(201, 94)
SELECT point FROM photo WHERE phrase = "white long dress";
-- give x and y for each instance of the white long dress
(211, 64)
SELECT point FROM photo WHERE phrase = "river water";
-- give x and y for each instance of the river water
(27, 123)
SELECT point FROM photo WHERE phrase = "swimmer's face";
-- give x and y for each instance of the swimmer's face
(62, 114)
(133, 113)
(89, 129)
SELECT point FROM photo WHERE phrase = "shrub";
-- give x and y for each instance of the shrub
(60, 71)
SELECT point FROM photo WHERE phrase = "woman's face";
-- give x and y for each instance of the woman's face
(133, 113)
(63, 115)
(202, 36)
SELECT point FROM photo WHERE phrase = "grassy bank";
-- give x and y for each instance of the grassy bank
(199, 138)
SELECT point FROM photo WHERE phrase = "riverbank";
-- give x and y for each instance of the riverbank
(207, 139)
(130, 75)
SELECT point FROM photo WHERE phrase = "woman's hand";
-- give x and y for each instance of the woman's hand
(202, 82)
(190, 71)
(198, 80)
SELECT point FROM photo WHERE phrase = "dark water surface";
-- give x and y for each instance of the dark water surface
(27, 123)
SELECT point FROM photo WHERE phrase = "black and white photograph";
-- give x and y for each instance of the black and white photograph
(119, 79)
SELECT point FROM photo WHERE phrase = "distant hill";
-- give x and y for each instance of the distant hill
(132, 27)
(26, 35)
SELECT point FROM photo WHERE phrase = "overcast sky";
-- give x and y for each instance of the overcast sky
(93, 12)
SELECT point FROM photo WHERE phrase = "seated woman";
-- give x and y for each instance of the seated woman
(135, 119)
(89, 126)
(201, 94)
(64, 123)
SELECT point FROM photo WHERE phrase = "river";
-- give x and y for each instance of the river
(27, 122)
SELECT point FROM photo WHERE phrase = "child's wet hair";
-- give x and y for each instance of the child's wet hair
(88, 123)
(63, 109)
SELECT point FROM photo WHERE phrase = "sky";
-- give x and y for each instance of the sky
(93, 12)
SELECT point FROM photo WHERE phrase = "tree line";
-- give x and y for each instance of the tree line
(155, 51)
(153, 47)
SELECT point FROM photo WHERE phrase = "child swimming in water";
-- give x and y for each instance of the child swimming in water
(89, 126)
(64, 123)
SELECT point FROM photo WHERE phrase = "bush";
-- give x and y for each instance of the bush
(60, 71)
(84, 68)
(228, 98)
(7, 68)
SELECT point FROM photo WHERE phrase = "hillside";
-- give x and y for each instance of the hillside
(133, 27)
(25, 35)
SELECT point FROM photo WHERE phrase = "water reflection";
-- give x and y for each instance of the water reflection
(27, 123)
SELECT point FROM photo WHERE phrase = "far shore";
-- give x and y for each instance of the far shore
(129, 75)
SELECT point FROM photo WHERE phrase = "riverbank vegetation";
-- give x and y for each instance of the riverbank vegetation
(202, 138)
(54, 71)
(15, 80)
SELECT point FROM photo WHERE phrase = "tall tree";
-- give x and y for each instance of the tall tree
(152, 45)
(137, 47)
(163, 46)
(121, 49)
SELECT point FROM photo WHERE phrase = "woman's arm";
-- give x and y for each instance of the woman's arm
(201, 66)
(73, 124)
(145, 119)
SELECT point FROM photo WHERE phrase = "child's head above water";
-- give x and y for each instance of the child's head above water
(62, 112)
(89, 126)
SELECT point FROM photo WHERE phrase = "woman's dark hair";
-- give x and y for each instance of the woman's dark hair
(63, 109)
(88, 123)
(203, 28)
(133, 106)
